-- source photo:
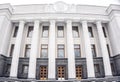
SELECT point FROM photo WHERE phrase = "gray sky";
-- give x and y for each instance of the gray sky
(88, 2)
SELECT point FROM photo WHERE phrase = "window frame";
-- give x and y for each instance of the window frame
(58, 36)
(30, 29)
(90, 30)
(60, 49)
(15, 32)
(26, 49)
(93, 47)
(77, 32)
(77, 49)
(11, 50)
(43, 36)
(41, 56)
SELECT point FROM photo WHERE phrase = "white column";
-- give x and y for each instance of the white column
(34, 51)
(16, 53)
(70, 51)
(104, 50)
(88, 51)
(51, 51)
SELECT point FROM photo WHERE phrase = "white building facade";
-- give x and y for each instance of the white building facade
(59, 42)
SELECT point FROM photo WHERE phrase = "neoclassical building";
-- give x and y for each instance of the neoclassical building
(59, 42)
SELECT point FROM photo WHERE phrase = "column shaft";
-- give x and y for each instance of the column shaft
(70, 51)
(88, 51)
(104, 51)
(51, 51)
(34, 51)
(16, 53)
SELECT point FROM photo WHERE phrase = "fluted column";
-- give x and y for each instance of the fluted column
(51, 51)
(104, 50)
(70, 51)
(16, 53)
(88, 51)
(34, 51)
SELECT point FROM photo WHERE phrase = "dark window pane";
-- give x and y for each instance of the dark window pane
(30, 31)
(44, 51)
(60, 51)
(97, 68)
(93, 50)
(8, 68)
(60, 31)
(27, 50)
(108, 50)
(75, 31)
(15, 31)
(77, 51)
(104, 31)
(11, 50)
(90, 31)
(45, 31)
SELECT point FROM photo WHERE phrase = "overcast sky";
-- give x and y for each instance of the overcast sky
(88, 2)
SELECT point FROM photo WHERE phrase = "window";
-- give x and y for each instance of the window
(27, 50)
(60, 51)
(11, 50)
(15, 31)
(75, 31)
(93, 50)
(60, 31)
(104, 31)
(77, 50)
(60, 72)
(112, 68)
(90, 31)
(78, 72)
(108, 50)
(43, 73)
(45, 31)
(30, 31)
(44, 51)
(97, 68)
(25, 69)
(8, 68)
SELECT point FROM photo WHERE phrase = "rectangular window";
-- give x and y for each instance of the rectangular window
(60, 32)
(75, 31)
(97, 68)
(93, 50)
(43, 73)
(27, 50)
(45, 31)
(25, 69)
(112, 68)
(104, 31)
(11, 50)
(78, 72)
(60, 51)
(108, 50)
(44, 51)
(8, 68)
(90, 31)
(30, 31)
(77, 50)
(15, 31)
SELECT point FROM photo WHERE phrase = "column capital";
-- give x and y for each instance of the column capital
(21, 21)
(37, 21)
(84, 21)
